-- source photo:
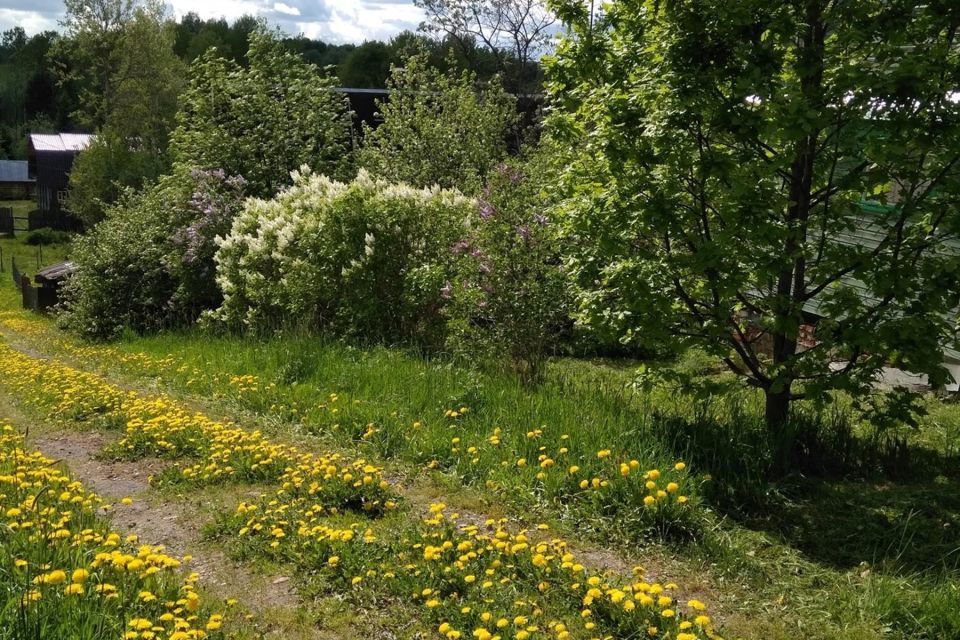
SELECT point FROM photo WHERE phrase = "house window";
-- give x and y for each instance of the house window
(62, 196)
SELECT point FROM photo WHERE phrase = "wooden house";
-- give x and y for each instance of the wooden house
(50, 158)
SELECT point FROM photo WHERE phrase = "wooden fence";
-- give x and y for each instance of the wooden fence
(58, 221)
(34, 298)
(6, 220)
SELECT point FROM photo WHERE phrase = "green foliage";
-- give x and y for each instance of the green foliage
(86, 59)
(723, 151)
(46, 236)
(438, 128)
(511, 298)
(27, 101)
(366, 259)
(108, 167)
(264, 120)
(136, 117)
(367, 66)
(195, 36)
(149, 264)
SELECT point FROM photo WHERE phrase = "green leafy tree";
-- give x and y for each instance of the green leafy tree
(262, 121)
(438, 128)
(367, 66)
(110, 165)
(131, 145)
(725, 149)
(26, 88)
(86, 59)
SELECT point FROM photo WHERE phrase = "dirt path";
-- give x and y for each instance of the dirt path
(177, 524)
(172, 523)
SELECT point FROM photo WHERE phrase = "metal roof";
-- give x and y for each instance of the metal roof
(60, 141)
(13, 171)
(55, 272)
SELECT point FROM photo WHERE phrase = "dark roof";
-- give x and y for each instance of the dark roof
(13, 171)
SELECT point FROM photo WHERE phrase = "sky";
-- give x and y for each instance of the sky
(337, 21)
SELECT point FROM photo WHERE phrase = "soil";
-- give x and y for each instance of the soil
(168, 523)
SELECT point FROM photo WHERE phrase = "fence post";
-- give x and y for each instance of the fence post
(15, 272)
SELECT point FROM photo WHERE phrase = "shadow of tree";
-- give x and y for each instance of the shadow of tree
(889, 526)
(844, 501)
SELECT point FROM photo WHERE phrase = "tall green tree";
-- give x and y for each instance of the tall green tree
(367, 65)
(438, 128)
(263, 121)
(131, 144)
(86, 59)
(28, 101)
(514, 32)
(724, 151)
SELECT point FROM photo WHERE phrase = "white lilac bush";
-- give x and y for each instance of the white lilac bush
(367, 259)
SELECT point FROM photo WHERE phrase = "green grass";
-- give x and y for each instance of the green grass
(29, 258)
(20, 210)
(860, 540)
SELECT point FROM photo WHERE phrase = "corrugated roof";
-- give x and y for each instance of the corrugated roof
(55, 272)
(13, 171)
(60, 141)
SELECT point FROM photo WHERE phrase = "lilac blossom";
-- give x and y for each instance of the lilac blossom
(487, 210)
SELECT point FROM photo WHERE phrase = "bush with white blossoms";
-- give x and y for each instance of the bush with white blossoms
(366, 259)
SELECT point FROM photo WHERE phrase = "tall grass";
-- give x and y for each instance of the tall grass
(813, 516)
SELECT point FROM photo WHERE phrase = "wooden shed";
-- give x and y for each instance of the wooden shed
(15, 182)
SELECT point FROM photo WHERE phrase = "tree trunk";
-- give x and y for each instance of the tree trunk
(777, 407)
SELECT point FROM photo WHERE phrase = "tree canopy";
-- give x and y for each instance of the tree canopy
(725, 149)
(261, 121)
(438, 128)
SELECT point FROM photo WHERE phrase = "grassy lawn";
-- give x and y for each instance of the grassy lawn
(20, 210)
(29, 258)
(859, 539)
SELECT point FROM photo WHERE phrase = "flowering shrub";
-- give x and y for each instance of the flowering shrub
(216, 197)
(367, 259)
(510, 297)
(149, 264)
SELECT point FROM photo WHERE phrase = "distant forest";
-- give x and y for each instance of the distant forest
(32, 99)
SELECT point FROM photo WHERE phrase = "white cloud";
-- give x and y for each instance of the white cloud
(280, 7)
(31, 21)
(358, 21)
(335, 21)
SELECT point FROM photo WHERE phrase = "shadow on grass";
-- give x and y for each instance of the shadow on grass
(844, 500)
